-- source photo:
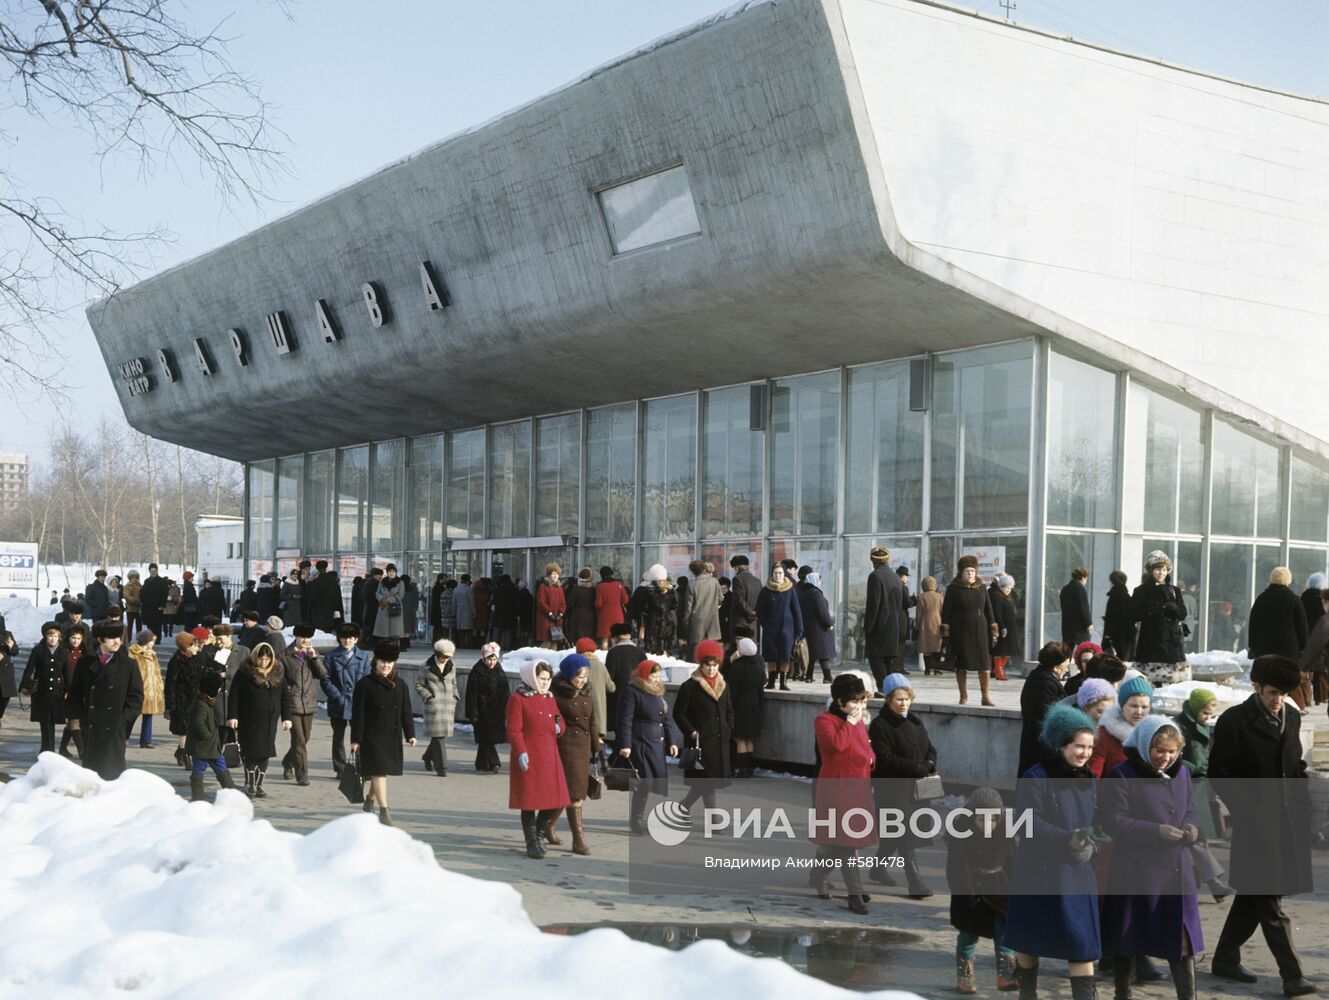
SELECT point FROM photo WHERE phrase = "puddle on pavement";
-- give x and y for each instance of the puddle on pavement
(851, 957)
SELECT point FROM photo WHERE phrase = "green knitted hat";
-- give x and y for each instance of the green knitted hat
(1198, 699)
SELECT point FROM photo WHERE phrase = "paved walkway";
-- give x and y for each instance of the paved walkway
(465, 818)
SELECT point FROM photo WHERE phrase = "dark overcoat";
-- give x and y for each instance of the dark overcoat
(106, 698)
(1133, 802)
(1056, 915)
(781, 622)
(1042, 689)
(644, 727)
(904, 752)
(708, 712)
(534, 722)
(579, 738)
(660, 616)
(1271, 819)
(380, 722)
(746, 676)
(818, 624)
(44, 680)
(978, 874)
(968, 626)
(1076, 616)
(325, 609)
(255, 702)
(183, 673)
(1277, 624)
(882, 612)
(744, 589)
(1159, 609)
(580, 620)
(621, 661)
(487, 702)
(1008, 631)
(1119, 623)
(203, 735)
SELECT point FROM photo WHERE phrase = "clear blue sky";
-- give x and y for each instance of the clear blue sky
(360, 85)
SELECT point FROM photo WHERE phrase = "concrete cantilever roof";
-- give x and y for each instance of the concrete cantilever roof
(777, 111)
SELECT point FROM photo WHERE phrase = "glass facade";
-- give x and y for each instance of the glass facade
(820, 468)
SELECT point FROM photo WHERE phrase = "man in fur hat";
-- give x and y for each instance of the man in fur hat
(1256, 766)
(881, 617)
(105, 696)
(304, 669)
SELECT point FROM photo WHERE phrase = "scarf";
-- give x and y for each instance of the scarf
(656, 688)
(779, 588)
(389, 681)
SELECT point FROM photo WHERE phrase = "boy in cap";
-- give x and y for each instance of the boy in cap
(203, 738)
(304, 668)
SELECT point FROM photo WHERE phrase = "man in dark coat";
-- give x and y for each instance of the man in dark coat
(151, 597)
(881, 617)
(620, 661)
(303, 669)
(212, 600)
(358, 600)
(106, 696)
(369, 613)
(251, 632)
(1278, 619)
(96, 597)
(325, 610)
(1119, 619)
(745, 589)
(1077, 621)
(44, 682)
(1042, 689)
(1271, 855)
(248, 599)
(503, 617)
(1317, 666)
(818, 623)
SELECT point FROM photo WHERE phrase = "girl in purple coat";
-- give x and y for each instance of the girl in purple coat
(1151, 907)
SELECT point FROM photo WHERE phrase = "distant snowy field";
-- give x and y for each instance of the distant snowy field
(125, 886)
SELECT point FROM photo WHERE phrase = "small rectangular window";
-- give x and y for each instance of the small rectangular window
(650, 210)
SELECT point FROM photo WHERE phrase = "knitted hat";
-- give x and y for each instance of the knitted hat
(656, 573)
(1005, 580)
(709, 649)
(144, 636)
(571, 665)
(210, 684)
(48, 626)
(445, 648)
(303, 631)
(183, 640)
(646, 667)
(894, 682)
(1157, 558)
(1277, 671)
(387, 650)
(201, 634)
(1317, 581)
(1280, 576)
(966, 562)
(1198, 699)
(620, 628)
(1133, 686)
(586, 646)
(1142, 736)
(348, 631)
(1094, 690)
(1061, 725)
(490, 649)
(275, 624)
(746, 647)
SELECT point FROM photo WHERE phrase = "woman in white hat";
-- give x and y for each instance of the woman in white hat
(437, 686)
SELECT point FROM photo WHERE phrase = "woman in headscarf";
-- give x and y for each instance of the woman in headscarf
(486, 706)
(380, 722)
(144, 654)
(536, 782)
(578, 744)
(254, 710)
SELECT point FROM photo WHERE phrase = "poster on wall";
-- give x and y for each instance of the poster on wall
(18, 566)
(991, 560)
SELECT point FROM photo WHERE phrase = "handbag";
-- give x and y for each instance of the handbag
(621, 776)
(231, 751)
(350, 784)
(555, 633)
(929, 788)
(394, 610)
(595, 785)
(690, 759)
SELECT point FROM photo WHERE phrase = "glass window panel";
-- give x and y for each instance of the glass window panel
(290, 474)
(510, 480)
(1310, 501)
(465, 472)
(557, 474)
(650, 210)
(387, 489)
(674, 558)
(904, 551)
(719, 553)
(1304, 562)
(619, 558)
(1185, 558)
(733, 457)
(611, 473)
(260, 510)
(1168, 438)
(1082, 452)
(1267, 559)
(1245, 491)
(1230, 579)
(884, 489)
(981, 434)
(352, 499)
(1096, 553)
(805, 420)
(320, 469)
(669, 469)
(424, 524)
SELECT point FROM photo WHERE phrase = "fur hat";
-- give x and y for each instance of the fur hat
(1061, 724)
(620, 628)
(210, 684)
(1094, 690)
(201, 634)
(1157, 558)
(966, 562)
(656, 573)
(275, 624)
(1198, 699)
(571, 665)
(1005, 580)
(1093, 647)
(1276, 671)
(303, 631)
(1142, 736)
(709, 649)
(586, 646)
(846, 686)
(48, 626)
(1317, 581)
(894, 682)
(1133, 686)
(183, 640)
(445, 647)
(490, 649)
(1280, 576)
(880, 554)
(746, 647)
(349, 630)
(387, 650)
(108, 630)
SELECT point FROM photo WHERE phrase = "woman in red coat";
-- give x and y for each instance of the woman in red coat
(844, 772)
(611, 597)
(550, 606)
(536, 784)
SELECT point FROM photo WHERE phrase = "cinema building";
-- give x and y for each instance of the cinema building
(807, 277)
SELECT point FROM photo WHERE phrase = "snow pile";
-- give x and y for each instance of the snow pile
(1169, 699)
(124, 885)
(25, 619)
(1218, 664)
(675, 671)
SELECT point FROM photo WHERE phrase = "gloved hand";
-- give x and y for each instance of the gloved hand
(558, 728)
(524, 761)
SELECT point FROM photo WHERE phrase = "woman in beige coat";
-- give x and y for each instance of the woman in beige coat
(928, 617)
(144, 654)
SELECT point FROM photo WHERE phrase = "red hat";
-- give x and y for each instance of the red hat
(586, 646)
(709, 649)
(186, 575)
(200, 633)
(646, 667)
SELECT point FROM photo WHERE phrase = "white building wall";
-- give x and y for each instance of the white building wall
(1184, 216)
(221, 548)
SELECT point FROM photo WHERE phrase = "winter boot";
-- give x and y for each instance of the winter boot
(1027, 979)
(258, 785)
(964, 976)
(918, 889)
(225, 780)
(637, 817)
(181, 757)
(534, 849)
(770, 680)
(962, 682)
(78, 743)
(547, 830)
(249, 781)
(1083, 988)
(825, 674)
(384, 816)
(983, 686)
(784, 686)
(999, 669)
(1183, 977)
(1006, 972)
(858, 904)
(196, 788)
(1123, 974)
(578, 831)
(1146, 971)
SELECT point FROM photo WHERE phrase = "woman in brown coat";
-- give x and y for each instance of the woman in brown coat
(579, 741)
(968, 627)
(928, 616)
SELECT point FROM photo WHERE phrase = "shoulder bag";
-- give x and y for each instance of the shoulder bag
(620, 775)
(928, 789)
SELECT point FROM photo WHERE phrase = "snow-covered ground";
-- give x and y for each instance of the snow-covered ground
(675, 671)
(125, 886)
